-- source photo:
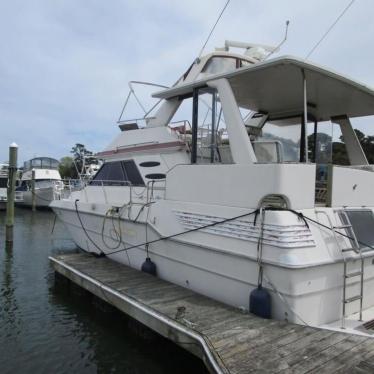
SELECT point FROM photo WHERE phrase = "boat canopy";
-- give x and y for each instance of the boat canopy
(41, 163)
(276, 88)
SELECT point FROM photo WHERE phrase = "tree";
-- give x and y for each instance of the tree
(339, 152)
(367, 144)
(81, 158)
(66, 167)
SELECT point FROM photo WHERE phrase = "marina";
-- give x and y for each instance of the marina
(222, 224)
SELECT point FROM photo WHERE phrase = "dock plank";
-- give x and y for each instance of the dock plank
(228, 340)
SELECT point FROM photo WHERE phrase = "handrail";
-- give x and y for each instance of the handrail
(70, 186)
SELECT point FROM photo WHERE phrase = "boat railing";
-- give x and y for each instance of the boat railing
(182, 129)
(63, 189)
(66, 187)
(152, 186)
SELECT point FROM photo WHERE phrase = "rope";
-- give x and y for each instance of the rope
(259, 248)
(306, 218)
(88, 237)
(214, 26)
(330, 28)
(185, 232)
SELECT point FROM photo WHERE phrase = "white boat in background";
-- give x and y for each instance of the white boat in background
(231, 199)
(47, 182)
(3, 185)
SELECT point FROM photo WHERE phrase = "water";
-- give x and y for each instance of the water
(47, 327)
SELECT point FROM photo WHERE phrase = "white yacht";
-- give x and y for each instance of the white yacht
(3, 185)
(235, 199)
(47, 182)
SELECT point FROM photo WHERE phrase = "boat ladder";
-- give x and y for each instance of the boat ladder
(348, 261)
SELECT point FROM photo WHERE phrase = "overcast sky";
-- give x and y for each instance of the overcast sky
(65, 64)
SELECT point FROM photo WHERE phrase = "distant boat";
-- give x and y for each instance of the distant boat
(3, 185)
(47, 181)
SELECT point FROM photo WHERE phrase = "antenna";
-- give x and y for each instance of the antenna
(276, 49)
(214, 26)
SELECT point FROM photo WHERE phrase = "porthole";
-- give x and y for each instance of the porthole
(149, 164)
(156, 176)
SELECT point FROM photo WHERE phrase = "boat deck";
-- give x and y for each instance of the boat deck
(228, 340)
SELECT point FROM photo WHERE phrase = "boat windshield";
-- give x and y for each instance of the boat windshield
(41, 163)
(222, 64)
(283, 135)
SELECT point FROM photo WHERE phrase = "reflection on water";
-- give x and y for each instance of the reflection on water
(51, 327)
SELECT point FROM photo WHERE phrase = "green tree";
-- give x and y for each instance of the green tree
(66, 167)
(81, 158)
(367, 144)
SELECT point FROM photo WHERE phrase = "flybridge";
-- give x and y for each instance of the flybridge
(276, 87)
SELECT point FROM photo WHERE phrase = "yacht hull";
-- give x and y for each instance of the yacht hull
(43, 197)
(306, 295)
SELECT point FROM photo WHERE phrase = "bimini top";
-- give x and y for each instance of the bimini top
(41, 163)
(276, 87)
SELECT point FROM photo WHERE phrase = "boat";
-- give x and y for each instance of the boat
(47, 178)
(237, 198)
(3, 185)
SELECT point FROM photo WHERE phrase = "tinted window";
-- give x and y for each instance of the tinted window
(132, 173)
(101, 175)
(149, 164)
(117, 173)
(3, 182)
(363, 225)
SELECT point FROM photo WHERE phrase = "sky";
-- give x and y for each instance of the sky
(65, 64)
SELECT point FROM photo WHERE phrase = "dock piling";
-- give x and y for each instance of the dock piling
(12, 175)
(33, 196)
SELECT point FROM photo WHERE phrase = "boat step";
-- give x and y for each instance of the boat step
(354, 274)
(353, 298)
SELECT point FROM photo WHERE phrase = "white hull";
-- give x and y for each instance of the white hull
(43, 197)
(307, 295)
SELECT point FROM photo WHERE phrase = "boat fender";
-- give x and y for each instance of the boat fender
(149, 267)
(260, 302)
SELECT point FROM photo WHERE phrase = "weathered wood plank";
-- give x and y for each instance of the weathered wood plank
(238, 342)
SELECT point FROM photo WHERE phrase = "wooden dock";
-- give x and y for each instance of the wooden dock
(228, 340)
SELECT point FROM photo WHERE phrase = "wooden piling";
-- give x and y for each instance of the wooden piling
(12, 175)
(33, 196)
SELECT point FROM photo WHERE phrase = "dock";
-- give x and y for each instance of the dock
(228, 340)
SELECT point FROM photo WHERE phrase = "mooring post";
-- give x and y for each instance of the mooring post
(33, 196)
(12, 175)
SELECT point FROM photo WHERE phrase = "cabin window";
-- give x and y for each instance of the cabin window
(132, 173)
(3, 182)
(41, 163)
(156, 176)
(118, 173)
(218, 65)
(149, 164)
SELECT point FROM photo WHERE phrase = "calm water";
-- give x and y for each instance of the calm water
(47, 327)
